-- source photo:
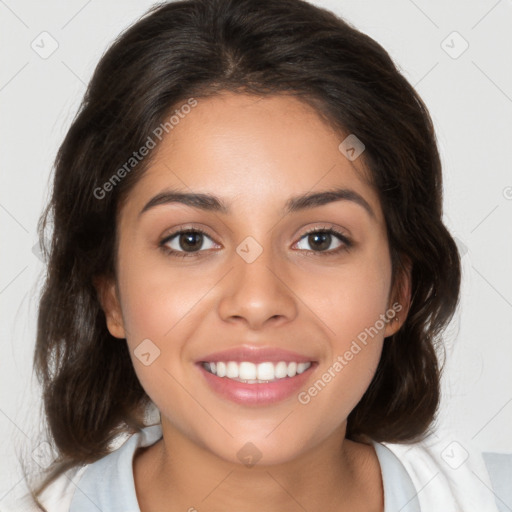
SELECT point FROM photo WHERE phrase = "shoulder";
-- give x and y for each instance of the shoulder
(447, 469)
(106, 484)
(56, 497)
(499, 467)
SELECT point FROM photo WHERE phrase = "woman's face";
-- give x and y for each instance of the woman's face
(255, 283)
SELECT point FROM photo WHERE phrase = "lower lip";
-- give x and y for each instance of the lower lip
(256, 394)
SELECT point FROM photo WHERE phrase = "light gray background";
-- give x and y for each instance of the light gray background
(469, 97)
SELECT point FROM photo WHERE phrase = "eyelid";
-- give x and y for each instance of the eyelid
(344, 233)
(186, 228)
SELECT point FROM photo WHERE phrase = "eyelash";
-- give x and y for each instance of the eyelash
(183, 254)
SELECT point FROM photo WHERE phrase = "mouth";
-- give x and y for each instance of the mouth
(256, 377)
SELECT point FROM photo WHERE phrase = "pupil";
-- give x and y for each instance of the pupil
(324, 238)
(190, 243)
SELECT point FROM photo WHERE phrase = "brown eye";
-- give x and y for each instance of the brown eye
(320, 241)
(190, 241)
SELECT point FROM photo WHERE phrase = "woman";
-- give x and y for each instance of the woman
(247, 234)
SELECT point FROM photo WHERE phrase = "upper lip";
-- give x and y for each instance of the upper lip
(255, 355)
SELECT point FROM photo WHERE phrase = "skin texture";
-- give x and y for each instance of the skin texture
(255, 153)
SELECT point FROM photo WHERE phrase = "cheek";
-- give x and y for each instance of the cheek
(349, 298)
(158, 299)
(352, 304)
(162, 306)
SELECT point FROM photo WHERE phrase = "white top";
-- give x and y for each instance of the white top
(435, 475)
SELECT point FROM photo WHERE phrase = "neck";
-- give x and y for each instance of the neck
(178, 474)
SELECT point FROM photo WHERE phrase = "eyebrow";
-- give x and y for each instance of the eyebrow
(212, 203)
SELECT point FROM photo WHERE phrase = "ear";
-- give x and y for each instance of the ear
(399, 299)
(109, 300)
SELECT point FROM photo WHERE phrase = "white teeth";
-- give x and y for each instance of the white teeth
(247, 371)
(302, 367)
(232, 370)
(252, 373)
(221, 369)
(266, 371)
(291, 370)
(281, 370)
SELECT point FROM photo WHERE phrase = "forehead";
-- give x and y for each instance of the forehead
(254, 151)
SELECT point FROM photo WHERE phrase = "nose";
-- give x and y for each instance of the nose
(257, 293)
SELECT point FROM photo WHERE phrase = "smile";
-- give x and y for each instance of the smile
(256, 385)
(251, 373)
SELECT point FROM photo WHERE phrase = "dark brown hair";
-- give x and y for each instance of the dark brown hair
(198, 48)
